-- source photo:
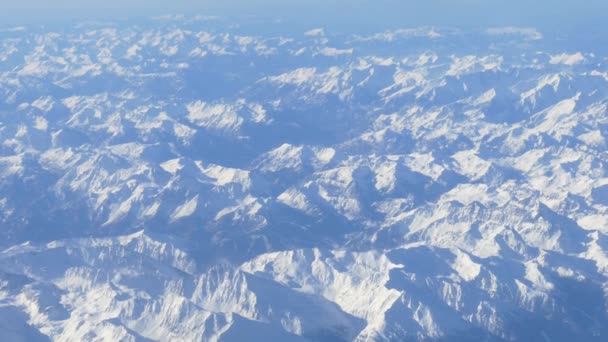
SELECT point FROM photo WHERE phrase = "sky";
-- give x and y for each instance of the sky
(552, 14)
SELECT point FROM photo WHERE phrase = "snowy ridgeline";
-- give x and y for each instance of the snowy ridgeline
(177, 180)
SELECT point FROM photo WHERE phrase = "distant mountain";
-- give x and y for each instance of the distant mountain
(179, 180)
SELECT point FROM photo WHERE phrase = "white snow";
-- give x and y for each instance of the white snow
(567, 59)
(172, 166)
(41, 123)
(402, 185)
(470, 165)
(469, 64)
(188, 208)
(222, 117)
(526, 32)
(296, 77)
(315, 32)
(333, 52)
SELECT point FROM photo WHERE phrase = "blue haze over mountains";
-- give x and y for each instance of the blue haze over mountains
(290, 171)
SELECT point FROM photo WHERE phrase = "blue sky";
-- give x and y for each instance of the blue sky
(539, 13)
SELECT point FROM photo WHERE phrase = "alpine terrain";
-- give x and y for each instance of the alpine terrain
(188, 178)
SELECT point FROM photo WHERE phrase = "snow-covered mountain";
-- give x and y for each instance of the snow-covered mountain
(190, 179)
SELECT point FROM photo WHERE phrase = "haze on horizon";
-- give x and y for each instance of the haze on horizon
(553, 15)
